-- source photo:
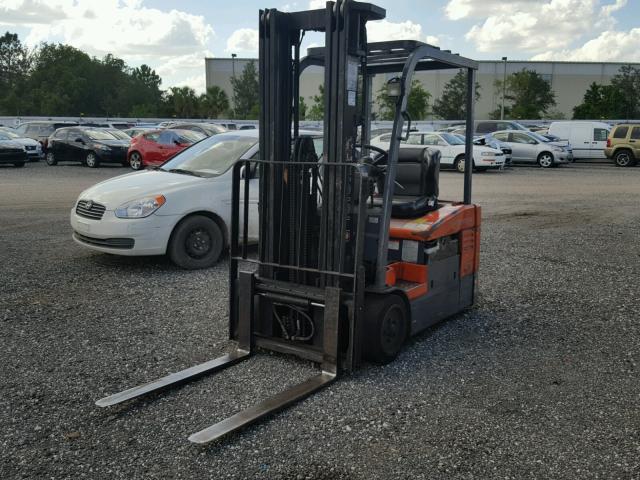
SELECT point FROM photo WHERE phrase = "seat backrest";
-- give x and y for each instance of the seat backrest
(418, 172)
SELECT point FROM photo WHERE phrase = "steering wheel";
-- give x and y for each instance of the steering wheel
(382, 154)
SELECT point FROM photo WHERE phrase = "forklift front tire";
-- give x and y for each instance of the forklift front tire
(386, 327)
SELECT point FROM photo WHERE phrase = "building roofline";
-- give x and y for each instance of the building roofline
(479, 61)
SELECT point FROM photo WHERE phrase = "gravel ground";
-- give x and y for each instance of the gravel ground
(539, 380)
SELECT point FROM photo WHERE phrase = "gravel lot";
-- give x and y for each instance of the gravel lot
(540, 380)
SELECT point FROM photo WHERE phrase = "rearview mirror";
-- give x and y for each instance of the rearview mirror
(243, 171)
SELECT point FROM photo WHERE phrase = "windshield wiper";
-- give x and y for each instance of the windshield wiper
(184, 172)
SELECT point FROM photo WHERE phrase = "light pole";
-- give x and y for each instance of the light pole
(504, 86)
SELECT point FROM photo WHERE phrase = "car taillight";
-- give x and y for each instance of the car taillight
(608, 142)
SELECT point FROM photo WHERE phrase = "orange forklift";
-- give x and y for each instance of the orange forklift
(356, 251)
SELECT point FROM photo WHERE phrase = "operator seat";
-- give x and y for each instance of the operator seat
(417, 177)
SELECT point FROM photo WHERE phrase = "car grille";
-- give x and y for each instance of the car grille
(120, 243)
(30, 147)
(89, 209)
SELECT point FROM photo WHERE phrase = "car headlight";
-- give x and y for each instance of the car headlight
(140, 208)
(99, 146)
(488, 154)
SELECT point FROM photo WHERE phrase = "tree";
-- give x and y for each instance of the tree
(529, 95)
(15, 66)
(627, 92)
(317, 109)
(453, 102)
(246, 101)
(182, 102)
(417, 103)
(302, 108)
(214, 102)
(601, 101)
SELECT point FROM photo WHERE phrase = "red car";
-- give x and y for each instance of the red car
(158, 146)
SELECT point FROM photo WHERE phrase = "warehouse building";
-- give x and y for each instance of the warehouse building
(569, 80)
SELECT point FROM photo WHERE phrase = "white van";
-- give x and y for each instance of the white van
(588, 139)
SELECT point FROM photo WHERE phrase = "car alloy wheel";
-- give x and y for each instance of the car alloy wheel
(545, 160)
(91, 160)
(135, 161)
(50, 159)
(460, 164)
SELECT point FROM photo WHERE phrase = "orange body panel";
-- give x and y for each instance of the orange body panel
(450, 219)
(410, 272)
(447, 220)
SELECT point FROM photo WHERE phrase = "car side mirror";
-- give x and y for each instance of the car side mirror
(243, 172)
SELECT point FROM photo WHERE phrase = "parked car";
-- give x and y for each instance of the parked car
(588, 139)
(529, 147)
(12, 153)
(158, 146)
(451, 148)
(623, 145)
(114, 125)
(119, 134)
(490, 141)
(41, 130)
(228, 125)
(89, 146)
(31, 146)
(206, 129)
(135, 131)
(181, 209)
(247, 126)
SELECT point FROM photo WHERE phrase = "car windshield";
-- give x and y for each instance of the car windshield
(213, 156)
(4, 135)
(452, 139)
(99, 135)
(120, 135)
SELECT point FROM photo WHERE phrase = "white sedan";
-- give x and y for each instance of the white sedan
(182, 208)
(451, 148)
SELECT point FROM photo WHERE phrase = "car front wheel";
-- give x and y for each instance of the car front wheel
(196, 242)
(545, 160)
(51, 159)
(135, 160)
(91, 160)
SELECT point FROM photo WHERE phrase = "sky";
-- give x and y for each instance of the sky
(175, 37)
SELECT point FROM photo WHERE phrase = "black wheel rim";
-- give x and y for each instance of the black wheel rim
(198, 243)
(392, 332)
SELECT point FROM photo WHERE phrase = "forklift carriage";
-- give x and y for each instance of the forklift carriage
(356, 251)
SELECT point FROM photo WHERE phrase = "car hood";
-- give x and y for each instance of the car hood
(10, 144)
(114, 192)
(26, 141)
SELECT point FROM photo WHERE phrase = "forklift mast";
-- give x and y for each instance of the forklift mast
(345, 269)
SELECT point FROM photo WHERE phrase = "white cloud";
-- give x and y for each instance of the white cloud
(532, 25)
(243, 41)
(383, 30)
(124, 28)
(317, 4)
(609, 46)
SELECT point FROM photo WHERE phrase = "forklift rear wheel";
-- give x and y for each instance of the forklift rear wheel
(386, 327)
(196, 242)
